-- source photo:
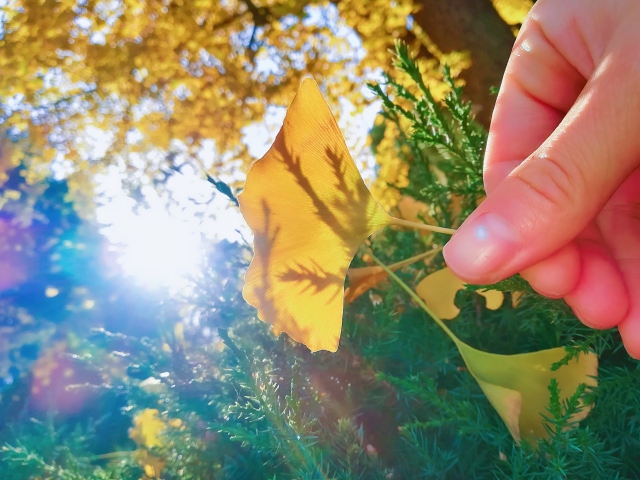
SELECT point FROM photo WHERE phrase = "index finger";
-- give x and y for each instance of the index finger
(545, 75)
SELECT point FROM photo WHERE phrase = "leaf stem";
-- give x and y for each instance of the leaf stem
(110, 455)
(423, 226)
(418, 300)
(415, 258)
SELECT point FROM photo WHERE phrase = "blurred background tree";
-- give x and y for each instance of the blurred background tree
(131, 76)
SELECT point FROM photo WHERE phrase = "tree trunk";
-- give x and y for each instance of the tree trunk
(476, 27)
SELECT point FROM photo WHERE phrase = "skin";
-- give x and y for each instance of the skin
(562, 167)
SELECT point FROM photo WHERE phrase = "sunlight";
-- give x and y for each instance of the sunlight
(162, 244)
(158, 250)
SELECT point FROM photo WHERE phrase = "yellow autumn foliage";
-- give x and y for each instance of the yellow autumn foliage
(147, 73)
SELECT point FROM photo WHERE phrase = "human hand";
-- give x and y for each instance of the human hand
(562, 167)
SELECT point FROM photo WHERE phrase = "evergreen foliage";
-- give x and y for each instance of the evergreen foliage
(395, 401)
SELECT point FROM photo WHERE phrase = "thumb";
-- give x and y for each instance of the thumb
(549, 198)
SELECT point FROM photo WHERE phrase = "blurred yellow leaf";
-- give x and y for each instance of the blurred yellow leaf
(413, 210)
(362, 279)
(309, 211)
(151, 464)
(439, 289)
(49, 154)
(147, 432)
(289, 7)
(147, 429)
(513, 11)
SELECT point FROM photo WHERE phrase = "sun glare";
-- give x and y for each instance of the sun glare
(158, 250)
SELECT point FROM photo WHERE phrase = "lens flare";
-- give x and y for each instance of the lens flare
(159, 250)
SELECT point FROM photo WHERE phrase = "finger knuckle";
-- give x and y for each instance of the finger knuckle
(551, 181)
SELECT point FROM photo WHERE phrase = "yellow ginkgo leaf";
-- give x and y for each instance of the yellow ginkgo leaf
(309, 211)
(439, 289)
(494, 298)
(362, 279)
(517, 385)
(508, 404)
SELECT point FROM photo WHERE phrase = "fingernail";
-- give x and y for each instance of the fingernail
(481, 246)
